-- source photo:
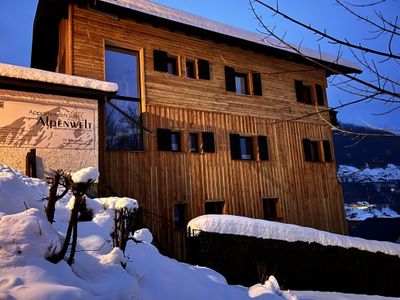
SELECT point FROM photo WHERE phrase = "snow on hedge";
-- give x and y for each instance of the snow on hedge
(85, 175)
(228, 224)
(24, 73)
(119, 203)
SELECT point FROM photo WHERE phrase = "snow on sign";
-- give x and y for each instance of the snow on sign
(24, 124)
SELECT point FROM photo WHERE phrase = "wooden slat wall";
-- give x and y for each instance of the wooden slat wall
(91, 31)
(309, 193)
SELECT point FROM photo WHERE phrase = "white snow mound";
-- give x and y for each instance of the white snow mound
(85, 175)
(286, 232)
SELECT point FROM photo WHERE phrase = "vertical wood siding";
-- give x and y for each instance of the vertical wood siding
(309, 193)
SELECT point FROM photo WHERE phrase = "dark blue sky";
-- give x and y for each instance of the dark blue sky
(16, 18)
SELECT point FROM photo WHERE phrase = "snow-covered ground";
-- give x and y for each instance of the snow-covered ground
(97, 273)
(363, 210)
(353, 174)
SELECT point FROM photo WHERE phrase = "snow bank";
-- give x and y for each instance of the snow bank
(270, 287)
(143, 235)
(24, 73)
(85, 175)
(18, 192)
(286, 232)
(97, 272)
(353, 174)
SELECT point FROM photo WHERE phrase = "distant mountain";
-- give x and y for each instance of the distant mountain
(369, 170)
(376, 151)
(361, 211)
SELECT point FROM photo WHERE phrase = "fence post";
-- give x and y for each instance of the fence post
(30, 164)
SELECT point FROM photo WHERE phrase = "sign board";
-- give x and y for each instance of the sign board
(32, 125)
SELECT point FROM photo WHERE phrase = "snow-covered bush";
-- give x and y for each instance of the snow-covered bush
(125, 214)
(80, 183)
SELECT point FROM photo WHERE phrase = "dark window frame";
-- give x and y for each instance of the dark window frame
(243, 78)
(270, 208)
(118, 97)
(248, 154)
(179, 220)
(164, 140)
(194, 72)
(250, 79)
(173, 60)
(214, 205)
(310, 94)
(317, 151)
(195, 136)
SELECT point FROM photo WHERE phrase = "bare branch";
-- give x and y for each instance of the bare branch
(333, 39)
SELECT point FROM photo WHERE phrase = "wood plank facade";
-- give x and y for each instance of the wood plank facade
(308, 193)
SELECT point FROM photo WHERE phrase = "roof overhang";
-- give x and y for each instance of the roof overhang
(50, 12)
(46, 82)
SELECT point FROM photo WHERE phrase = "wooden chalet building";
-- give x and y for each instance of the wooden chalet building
(204, 120)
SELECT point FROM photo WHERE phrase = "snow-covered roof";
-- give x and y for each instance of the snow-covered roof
(228, 224)
(171, 14)
(30, 74)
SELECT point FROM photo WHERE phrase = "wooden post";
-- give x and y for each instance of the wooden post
(30, 166)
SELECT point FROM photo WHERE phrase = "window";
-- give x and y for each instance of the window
(320, 94)
(123, 128)
(305, 93)
(203, 67)
(246, 148)
(317, 151)
(190, 69)
(327, 151)
(172, 65)
(165, 62)
(168, 140)
(208, 142)
(263, 147)
(239, 82)
(193, 143)
(214, 207)
(270, 208)
(179, 215)
(175, 142)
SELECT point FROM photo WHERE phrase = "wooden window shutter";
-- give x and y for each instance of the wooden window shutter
(320, 94)
(263, 147)
(208, 142)
(235, 146)
(307, 149)
(257, 88)
(230, 79)
(160, 61)
(327, 151)
(299, 90)
(204, 69)
(163, 139)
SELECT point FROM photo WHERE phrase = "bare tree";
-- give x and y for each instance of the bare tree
(376, 83)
